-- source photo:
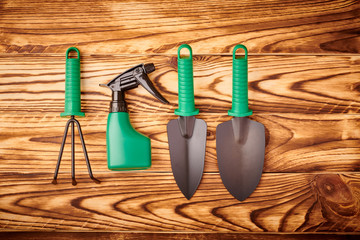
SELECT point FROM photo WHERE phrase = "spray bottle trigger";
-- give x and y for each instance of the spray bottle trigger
(143, 79)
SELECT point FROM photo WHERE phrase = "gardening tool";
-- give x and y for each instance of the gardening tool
(128, 149)
(186, 134)
(240, 142)
(72, 109)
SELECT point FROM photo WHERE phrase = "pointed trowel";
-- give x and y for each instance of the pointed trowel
(240, 142)
(186, 134)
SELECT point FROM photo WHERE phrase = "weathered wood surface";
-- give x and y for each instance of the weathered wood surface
(295, 142)
(152, 202)
(211, 26)
(303, 86)
(286, 84)
(172, 236)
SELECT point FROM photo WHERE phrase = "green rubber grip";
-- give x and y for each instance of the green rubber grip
(186, 84)
(72, 86)
(240, 107)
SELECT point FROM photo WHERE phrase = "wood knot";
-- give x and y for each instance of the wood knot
(173, 62)
(332, 188)
(335, 197)
(329, 187)
(210, 135)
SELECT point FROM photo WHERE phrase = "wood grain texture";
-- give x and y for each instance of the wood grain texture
(210, 26)
(304, 71)
(152, 202)
(172, 236)
(286, 84)
(294, 142)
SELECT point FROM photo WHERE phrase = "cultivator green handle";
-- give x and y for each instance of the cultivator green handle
(72, 86)
(240, 106)
(186, 84)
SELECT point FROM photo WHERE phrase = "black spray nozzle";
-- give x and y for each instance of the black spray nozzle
(130, 79)
(149, 67)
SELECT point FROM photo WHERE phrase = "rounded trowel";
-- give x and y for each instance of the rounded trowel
(240, 142)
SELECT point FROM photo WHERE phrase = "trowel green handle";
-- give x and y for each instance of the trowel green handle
(240, 106)
(72, 85)
(186, 84)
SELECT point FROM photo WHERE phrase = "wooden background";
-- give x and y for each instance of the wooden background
(304, 84)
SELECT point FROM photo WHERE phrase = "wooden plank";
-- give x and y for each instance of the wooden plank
(210, 26)
(171, 236)
(153, 202)
(295, 142)
(286, 84)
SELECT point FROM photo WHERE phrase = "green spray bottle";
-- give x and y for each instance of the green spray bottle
(128, 149)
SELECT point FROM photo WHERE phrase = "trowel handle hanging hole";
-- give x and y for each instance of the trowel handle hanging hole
(236, 54)
(240, 105)
(70, 53)
(184, 54)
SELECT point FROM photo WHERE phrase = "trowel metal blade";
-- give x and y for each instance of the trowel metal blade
(187, 140)
(240, 147)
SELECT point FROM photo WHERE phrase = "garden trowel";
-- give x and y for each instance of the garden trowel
(240, 142)
(186, 134)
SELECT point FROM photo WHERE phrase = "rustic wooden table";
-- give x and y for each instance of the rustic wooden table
(304, 72)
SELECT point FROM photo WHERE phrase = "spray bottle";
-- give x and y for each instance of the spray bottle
(128, 149)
